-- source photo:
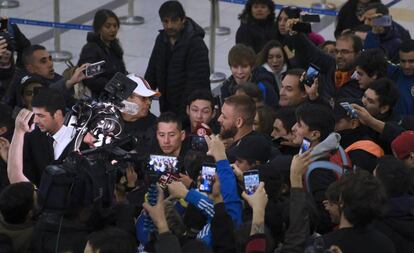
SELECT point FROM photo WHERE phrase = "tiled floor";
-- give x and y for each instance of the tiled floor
(137, 41)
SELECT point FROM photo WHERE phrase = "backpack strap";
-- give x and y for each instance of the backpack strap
(338, 170)
(344, 157)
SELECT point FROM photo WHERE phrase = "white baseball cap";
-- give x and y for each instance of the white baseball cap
(143, 88)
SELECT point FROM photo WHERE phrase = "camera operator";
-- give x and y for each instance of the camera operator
(140, 123)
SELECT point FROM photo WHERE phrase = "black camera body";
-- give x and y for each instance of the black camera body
(11, 43)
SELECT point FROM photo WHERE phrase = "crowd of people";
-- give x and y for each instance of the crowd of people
(333, 152)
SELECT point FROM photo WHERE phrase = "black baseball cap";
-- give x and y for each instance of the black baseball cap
(252, 147)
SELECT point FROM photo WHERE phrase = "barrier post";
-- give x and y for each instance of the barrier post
(131, 19)
(58, 55)
(220, 30)
(215, 76)
(7, 4)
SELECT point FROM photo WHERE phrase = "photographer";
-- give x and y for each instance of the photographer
(38, 62)
(12, 41)
(335, 73)
(140, 123)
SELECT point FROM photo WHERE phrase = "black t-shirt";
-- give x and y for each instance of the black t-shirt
(144, 130)
(359, 240)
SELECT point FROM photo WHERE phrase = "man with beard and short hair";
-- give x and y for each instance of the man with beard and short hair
(335, 78)
(236, 121)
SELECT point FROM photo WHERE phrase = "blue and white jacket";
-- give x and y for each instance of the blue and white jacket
(230, 196)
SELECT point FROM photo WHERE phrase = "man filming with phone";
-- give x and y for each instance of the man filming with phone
(385, 33)
(335, 77)
(37, 61)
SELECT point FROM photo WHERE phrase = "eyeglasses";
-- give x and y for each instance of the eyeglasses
(343, 51)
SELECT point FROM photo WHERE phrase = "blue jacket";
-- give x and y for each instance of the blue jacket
(389, 40)
(230, 196)
(405, 84)
(231, 200)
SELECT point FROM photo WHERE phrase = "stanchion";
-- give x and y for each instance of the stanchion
(323, 5)
(6, 4)
(131, 19)
(220, 30)
(215, 76)
(58, 55)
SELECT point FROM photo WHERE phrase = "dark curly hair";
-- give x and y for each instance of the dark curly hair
(361, 198)
(246, 15)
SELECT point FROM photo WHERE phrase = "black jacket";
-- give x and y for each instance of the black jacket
(180, 69)
(398, 224)
(256, 34)
(347, 18)
(307, 52)
(38, 153)
(359, 240)
(96, 50)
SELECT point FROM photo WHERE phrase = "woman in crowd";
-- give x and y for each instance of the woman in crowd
(293, 12)
(257, 24)
(272, 63)
(263, 121)
(103, 45)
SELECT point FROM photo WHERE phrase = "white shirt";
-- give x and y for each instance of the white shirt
(61, 139)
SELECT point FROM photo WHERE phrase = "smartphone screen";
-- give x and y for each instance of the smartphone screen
(311, 73)
(31, 120)
(384, 21)
(163, 164)
(94, 69)
(251, 181)
(207, 178)
(349, 110)
(305, 146)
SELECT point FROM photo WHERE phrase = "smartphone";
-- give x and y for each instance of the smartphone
(251, 181)
(384, 21)
(95, 69)
(310, 18)
(305, 146)
(207, 178)
(163, 164)
(198, 143)
(302, 27)
(3, 24)
(349, 110)
(31, 120)
(311, 74)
